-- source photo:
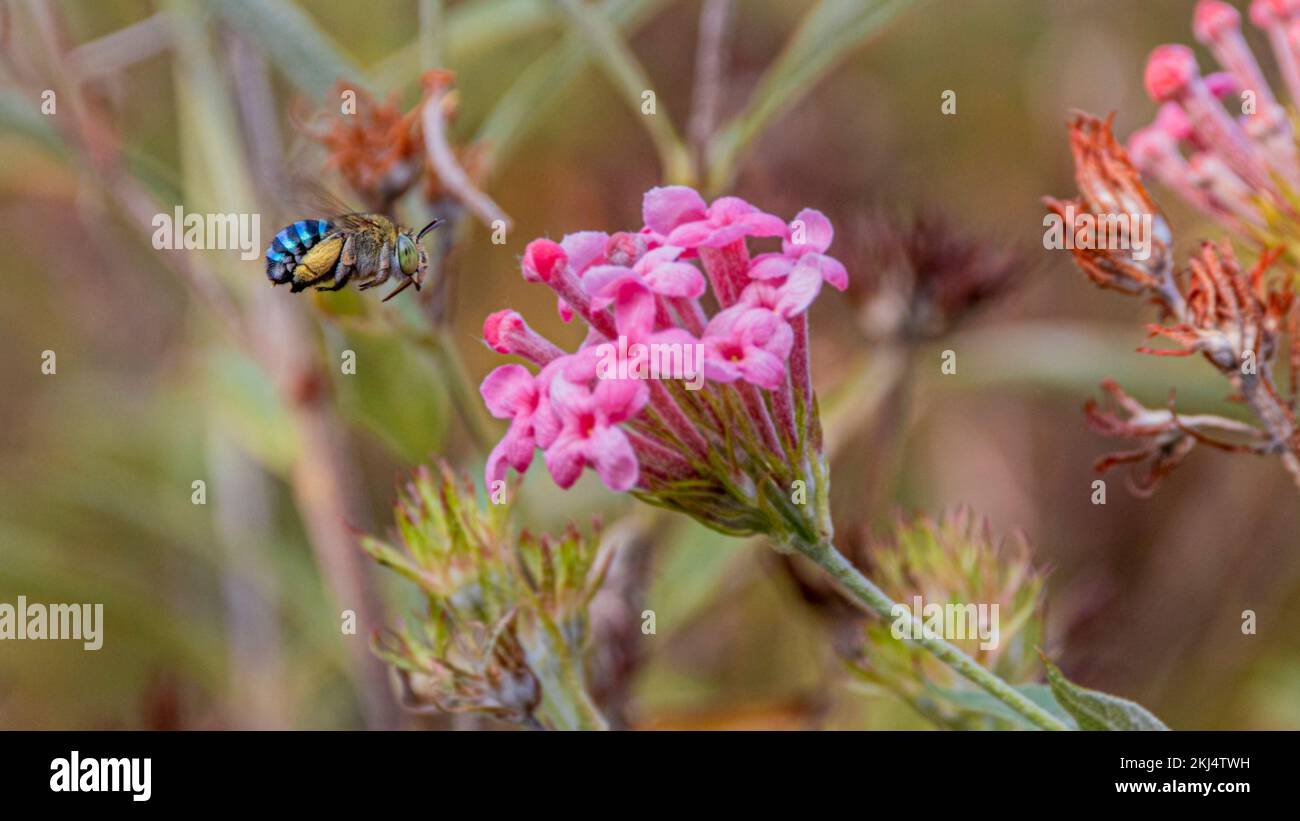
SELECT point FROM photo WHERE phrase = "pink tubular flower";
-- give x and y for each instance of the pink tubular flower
(711, 416)
(1225, 141)
(658, 270)
(589, 432)
(788, 282)
(511, 393)
(680, 215)
(747, 343)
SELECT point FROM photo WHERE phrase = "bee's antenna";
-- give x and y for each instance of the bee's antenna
(405, 284)
(426, 229)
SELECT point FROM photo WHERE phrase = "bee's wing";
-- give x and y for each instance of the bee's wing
(309, 195)
(356, 221)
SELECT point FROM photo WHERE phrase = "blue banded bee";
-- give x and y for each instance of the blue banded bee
(327, 254)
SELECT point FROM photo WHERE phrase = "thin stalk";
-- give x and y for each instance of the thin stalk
(877, 601)
(625, 72)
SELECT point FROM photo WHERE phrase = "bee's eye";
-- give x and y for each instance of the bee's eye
(407, 257)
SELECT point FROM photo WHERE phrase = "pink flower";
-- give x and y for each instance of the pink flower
(543, 261)
(658, 270)
(634, 318)
(788, 296)
(1235, 168)
(681, 216)
(810, 235)
(747, 343)
(583, 250)
(709, 447)
(507, 332)
(589, 432)
(511, 393)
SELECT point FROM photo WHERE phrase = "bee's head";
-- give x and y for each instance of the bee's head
(408, 255)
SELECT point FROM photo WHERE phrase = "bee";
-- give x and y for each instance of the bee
(328, 254)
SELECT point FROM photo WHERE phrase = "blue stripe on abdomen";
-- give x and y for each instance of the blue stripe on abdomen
(305, 232)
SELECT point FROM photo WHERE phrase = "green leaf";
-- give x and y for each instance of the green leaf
(395, 393)
(301, 49)
(473, 31)
(828, 33)
(1094, 710)
(20, 115)
(978, 701)
(534, 94)
(245, 404)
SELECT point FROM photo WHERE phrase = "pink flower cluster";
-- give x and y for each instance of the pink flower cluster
(1223, 141)
(686, 278)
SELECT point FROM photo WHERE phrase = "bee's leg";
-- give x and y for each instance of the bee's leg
(338, 283)
(384, 265)
(344, 268)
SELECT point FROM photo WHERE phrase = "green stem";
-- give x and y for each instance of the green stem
(827, 34)
(875, 599)
(567, 704)
(625, 72)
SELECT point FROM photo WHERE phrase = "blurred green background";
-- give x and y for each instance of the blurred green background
(220, 616)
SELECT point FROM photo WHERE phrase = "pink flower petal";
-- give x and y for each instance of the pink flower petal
(772, 333)
(720, 370)
(543, 260)
(546, 424)
(723, 322)
(620, 399)
(657, 256)
(763, 369)
(599, 280)
(762, 294)
(831, 270)
(584, 248)
(798, 292)
(723, 236)
(813, 228)
(634, 310)
(509, 391)
(667, 207)
(565, 460)
(519, 445)
(692, 235)
(729, 209)
(498, 326)
(614, 459)
(676, 279)
(762, 225)
(581, 367)
(497, 464)
(770, 266)
(570, 399)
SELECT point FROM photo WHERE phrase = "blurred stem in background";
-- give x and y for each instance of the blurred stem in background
(632, 82)
(827, 34)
